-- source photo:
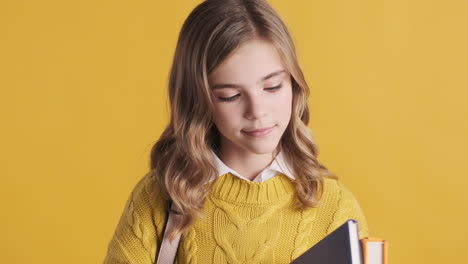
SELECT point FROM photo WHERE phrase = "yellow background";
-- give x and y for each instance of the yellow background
(83, 98)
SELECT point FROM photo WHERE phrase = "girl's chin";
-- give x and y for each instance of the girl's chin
(261, 148)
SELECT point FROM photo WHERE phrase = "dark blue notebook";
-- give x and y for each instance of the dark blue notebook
(342, 246)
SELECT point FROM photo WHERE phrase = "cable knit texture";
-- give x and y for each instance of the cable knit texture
(245, 222)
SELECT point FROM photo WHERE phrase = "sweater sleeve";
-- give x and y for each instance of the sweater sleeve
(349, 208)
(138, 232)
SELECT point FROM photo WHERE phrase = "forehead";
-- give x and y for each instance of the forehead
(248, 64)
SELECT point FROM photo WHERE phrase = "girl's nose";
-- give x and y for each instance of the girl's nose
(255, 109)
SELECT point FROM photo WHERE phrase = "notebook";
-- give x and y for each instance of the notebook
(374, 250)
(342, 246)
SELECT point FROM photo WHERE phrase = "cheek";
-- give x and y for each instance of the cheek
(225, 117)
(283, 103)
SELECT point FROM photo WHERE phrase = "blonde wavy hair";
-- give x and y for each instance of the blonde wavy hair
(181, 160)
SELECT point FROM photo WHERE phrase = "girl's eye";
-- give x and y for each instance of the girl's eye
(228, 99)
(232, 98)
(274, 88)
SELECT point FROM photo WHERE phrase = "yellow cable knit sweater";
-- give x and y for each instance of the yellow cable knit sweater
(246, 222)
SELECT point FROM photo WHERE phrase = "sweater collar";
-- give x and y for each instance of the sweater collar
(278, 165)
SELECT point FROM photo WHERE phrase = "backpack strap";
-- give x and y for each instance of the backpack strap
(168, 250)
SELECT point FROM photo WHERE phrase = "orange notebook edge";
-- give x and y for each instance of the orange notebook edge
(375, 239)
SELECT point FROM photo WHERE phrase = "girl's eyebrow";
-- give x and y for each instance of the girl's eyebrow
(230, 85)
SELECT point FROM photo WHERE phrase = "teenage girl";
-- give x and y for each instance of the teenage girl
(237, 159)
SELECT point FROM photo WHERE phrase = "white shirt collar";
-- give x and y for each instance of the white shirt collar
(278, 165)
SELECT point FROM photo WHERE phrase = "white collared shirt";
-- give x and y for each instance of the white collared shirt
(278, 165)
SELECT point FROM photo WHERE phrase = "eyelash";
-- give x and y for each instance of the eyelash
(232, 98)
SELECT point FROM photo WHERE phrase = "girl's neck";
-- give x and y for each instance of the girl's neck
(247, 163)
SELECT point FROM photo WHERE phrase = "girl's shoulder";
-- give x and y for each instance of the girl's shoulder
(147, 191)
(335, 188)
(342, 205)
(140, 227)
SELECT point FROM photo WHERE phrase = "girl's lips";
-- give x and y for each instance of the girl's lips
(260, 132)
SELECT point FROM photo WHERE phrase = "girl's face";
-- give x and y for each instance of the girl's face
(252, 91)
